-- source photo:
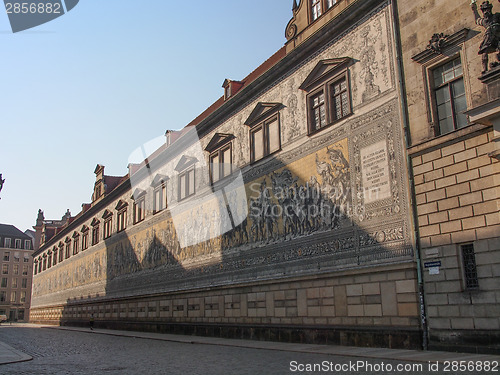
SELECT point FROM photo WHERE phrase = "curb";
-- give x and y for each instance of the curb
(348, 351)
(10, 355)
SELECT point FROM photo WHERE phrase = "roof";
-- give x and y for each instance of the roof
(12, 231)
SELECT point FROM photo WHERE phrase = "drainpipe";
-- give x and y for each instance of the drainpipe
(406, 129)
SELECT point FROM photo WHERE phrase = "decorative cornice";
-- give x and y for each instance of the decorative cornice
(439, 44)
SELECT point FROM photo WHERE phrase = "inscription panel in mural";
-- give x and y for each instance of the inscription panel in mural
(375, 172)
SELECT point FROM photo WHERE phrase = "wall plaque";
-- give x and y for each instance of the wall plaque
(375, 172)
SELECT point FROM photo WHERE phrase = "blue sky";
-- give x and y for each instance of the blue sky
(96, 83)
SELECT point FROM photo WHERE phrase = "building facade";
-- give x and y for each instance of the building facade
(288, 209)
(454, 119)
(16, 250)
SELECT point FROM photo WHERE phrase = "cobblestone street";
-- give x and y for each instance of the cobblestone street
(57, 351)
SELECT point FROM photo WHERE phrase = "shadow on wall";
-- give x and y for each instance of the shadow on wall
(303, 221)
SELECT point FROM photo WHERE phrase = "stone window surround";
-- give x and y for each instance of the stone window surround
(450, 47)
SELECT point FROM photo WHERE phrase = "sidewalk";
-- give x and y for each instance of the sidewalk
(372, 353)
(11, 355)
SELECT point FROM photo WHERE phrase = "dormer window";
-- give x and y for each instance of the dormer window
(231, 88)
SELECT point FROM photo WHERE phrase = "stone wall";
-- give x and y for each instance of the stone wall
(376, 306)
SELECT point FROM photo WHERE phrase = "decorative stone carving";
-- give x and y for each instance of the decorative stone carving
(491, 40)
(437, 42)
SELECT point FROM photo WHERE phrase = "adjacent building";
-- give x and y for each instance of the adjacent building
(16, 249)
(346, 192)
(454, 124)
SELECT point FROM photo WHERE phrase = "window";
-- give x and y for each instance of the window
(107, 227)
(35, 268)
(76, 243)
(449, 96)
(139, 210)
(317, 7)
(160, 198)
(17, 244)
(61, 252)
(40, 263)
(27, 244)
(3, 296)
(16, 269)
(265, 139)
(7, 242)
(85, 238)
(13, 296)
(469, 267)
(17, 256)
(186, 183)
(6, 256)
(95, 234)
(54, 259)
(221, 163)
(121, 218)
(14, 282)
(49, 260)
(23, 299)
(26, 258)
(4, 282)
(68, 248)
(329, 104)
(24, 283)
(5, 269)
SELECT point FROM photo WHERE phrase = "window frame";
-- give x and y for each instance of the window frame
(264, 126)
(327, 88)
(121, 220)
(17, 243)
(139, 209)
(85, 238)
(108, 227)
(470, 278)
(324, 7)
(7, 240)
(183, 174)
(219, 153)
(27, 244)
(432, 98)
(161, 190)
(95, 233)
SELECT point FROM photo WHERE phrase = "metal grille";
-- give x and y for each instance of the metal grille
(470, 269)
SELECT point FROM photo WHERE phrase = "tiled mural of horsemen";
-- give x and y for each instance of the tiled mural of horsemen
(292, 206)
